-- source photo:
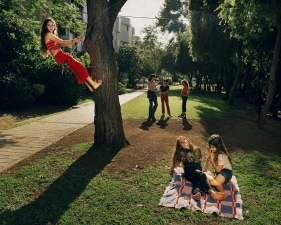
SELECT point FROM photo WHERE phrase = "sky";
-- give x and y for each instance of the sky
(142, 8)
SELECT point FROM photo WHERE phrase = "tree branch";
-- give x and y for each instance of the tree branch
(114, 8)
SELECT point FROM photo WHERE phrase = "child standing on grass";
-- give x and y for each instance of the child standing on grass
(164, 91)
(190, 157)
(221, 162)
(184, 93)
(151, 95)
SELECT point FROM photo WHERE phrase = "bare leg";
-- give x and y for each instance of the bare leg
(220, 188)
(217, 181)
(89, 86)
(217, 195)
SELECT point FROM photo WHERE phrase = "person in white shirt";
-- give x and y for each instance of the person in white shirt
(220, 160)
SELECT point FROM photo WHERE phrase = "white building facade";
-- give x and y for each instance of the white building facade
(123, 33)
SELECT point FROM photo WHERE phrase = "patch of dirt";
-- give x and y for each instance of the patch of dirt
(150, 142)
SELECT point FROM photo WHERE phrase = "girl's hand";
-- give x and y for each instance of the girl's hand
(80, 37)
(212, 156)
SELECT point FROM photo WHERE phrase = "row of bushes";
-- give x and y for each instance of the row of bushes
(44, 84)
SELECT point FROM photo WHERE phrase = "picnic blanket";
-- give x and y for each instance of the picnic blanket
(178, 195)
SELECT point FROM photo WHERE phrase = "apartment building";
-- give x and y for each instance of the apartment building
(123, 33)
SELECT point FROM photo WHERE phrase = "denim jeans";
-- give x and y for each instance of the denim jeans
(226, 173)
(153, 104)
(183, 106)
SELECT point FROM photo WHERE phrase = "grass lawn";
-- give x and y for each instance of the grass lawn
(37, 193)
(198, 106)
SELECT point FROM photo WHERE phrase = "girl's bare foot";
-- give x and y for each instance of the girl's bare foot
(97, 83)
(197, 196)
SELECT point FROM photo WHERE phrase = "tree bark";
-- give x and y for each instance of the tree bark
(238, 74)
(108, 122)
(272, 78)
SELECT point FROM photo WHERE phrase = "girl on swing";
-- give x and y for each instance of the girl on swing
(50, 44)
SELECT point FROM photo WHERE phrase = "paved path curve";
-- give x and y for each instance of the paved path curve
(18, 143)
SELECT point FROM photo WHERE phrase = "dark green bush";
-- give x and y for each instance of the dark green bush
(122, 88)
(15, 92)
(60, 88)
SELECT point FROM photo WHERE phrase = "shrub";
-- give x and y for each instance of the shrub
(122, 88)
(15, 92)
(60, 88)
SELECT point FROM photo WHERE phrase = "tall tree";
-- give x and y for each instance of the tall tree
(250, 19)
(167, 62)
(208, 40)
(150, 47)
(271, 88)
(171, 16)
(128, 63)
(98, 42)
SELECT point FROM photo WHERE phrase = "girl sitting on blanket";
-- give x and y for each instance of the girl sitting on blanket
(190, 157)
(221, 162)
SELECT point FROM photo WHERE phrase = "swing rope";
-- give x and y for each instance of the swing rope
(98, 18)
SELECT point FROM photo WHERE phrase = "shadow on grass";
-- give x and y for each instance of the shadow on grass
(267, 162)
(57, 198)
(237, 128)
(186, 125)
(163, 123)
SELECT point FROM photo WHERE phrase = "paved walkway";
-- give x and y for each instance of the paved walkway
(18, 143)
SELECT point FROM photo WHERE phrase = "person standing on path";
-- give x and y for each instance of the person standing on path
(151, 95)
(164, 94)
(184, 93)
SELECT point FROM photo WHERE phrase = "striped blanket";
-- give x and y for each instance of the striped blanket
(178, 195)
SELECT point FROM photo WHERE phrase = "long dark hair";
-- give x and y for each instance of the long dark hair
(43, 32)
(150, 77)
(180, 153)
(216, 140)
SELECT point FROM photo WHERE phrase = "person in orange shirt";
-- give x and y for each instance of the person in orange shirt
(184, 93)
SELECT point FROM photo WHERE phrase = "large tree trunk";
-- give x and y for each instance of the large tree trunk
(98, 42)
(272, 78)
(238, 74)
